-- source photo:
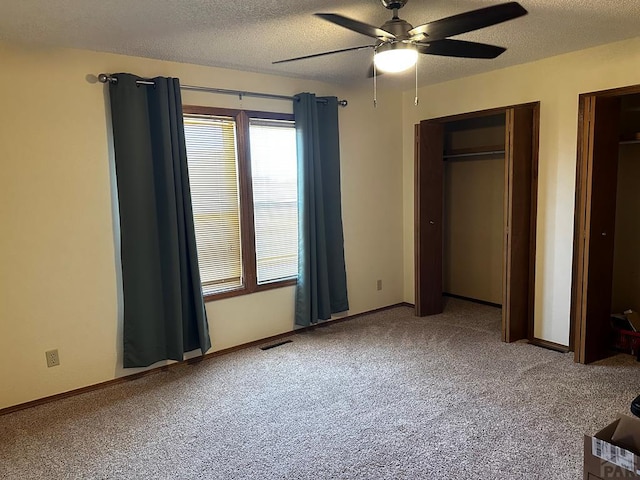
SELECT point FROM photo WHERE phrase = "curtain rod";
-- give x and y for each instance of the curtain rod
(105, 78)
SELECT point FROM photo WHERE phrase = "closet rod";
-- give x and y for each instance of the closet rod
(105, 78)
(474, 154)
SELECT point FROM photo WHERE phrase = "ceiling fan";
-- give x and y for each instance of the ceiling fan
(398, 43)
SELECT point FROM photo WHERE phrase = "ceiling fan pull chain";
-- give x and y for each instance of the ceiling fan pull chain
(375, 84)
(415, 100)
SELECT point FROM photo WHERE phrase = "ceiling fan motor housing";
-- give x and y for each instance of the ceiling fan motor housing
(398, 27)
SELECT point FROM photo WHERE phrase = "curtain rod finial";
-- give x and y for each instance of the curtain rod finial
(104, 78)
(343, 103)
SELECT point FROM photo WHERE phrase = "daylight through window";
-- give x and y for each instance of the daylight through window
(243, 176)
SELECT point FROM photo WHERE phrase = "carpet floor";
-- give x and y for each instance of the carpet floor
(383, 396)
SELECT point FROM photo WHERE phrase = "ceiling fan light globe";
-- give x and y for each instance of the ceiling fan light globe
(395, 60)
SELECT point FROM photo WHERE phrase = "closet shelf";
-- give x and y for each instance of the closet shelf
(629, 139)
(474, 151)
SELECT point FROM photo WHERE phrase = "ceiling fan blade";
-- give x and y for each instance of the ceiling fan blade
(460, 48)
(356, 26)
(469, 21)
(324, 53)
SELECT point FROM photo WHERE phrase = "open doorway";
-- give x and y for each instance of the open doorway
(606, 264)
(475, 212)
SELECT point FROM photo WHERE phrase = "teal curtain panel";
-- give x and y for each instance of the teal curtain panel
(164, 313)
(322, 281)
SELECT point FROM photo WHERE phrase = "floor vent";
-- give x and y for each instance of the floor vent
(268, 347)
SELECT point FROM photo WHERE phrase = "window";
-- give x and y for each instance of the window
(243, 176)
(275, 198)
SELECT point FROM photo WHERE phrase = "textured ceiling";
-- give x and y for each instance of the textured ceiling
(249, 35)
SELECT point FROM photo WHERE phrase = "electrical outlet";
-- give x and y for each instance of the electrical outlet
(53, 359)
(379, 285)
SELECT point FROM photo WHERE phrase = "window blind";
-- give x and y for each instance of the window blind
(213, 175)
(275, 198)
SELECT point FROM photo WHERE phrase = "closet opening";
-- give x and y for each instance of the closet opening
(606, 265)
(475, 212)
(474, 160)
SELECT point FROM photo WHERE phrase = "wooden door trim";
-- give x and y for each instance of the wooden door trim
(613, 92)
(576, 333)
(521, 303)
(533, 217)
(417, 224)
(535, 107)
(483, 113)
(506, 215)
(426, 303)
(581, 223)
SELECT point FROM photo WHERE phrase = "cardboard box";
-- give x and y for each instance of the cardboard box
(611, 454)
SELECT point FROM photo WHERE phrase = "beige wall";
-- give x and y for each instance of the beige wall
(473, 211)
(58, 282)
(59, 276)
(555, 82)
(473, 218)
(626, 262)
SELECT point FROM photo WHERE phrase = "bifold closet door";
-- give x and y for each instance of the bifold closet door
(519, 238)
(597, 225)
(429, 173)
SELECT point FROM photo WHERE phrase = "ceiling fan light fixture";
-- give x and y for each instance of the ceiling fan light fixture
(395, 57)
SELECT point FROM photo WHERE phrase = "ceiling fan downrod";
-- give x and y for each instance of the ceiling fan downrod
(394, 4)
